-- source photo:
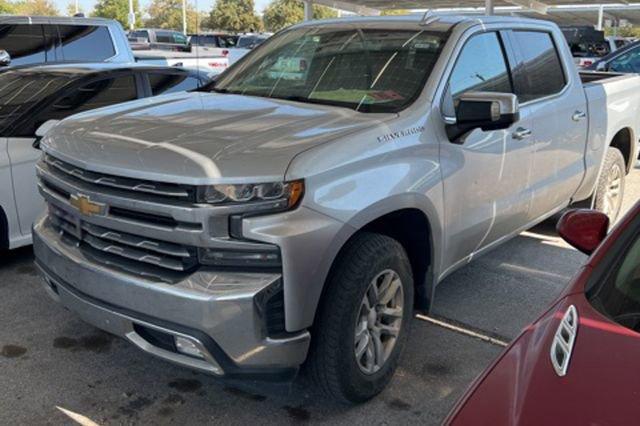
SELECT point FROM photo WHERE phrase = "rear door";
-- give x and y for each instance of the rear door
(22, 154)
(556, 100)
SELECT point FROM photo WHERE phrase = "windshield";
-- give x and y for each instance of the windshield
(619, 296)
(368, 70)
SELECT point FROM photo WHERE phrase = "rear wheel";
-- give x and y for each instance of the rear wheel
(363, 320)
(610, 188)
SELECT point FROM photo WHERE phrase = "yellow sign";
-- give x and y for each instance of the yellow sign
(85, 206)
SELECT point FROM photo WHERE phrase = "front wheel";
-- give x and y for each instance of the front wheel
(610, 188)
(363, 321)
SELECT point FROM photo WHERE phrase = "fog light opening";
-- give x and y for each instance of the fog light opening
(188, 347)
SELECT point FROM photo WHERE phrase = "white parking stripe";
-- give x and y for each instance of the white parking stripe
(464, 331)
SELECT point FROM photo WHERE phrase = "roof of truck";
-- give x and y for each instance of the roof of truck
(80, 69)
(24, 19)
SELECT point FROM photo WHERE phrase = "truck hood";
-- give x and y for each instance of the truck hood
(201, 138)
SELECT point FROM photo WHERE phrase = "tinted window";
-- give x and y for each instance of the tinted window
(481, 66)
(619, 297)
(542, 74)
(140, 35)
(84, 43)
(164, 37)
(627, 62)
(25, 43)
(369, 70)
(94, 95)
(171, 83)
(21, 91)
(180, 38)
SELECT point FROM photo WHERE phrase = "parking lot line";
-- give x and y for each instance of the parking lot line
(463, 330)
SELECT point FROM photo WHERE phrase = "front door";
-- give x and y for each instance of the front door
(487, 176)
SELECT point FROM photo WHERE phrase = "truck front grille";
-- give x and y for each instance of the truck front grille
(141, 255)
(134, 186)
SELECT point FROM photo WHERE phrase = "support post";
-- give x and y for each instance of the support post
(184, 17)
(308, 10)
(488, 6)
(601, 18)
(132, 16)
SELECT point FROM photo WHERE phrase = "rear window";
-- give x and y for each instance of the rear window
(543, 74)
(86, 43)
(370, 70)
(24, 43)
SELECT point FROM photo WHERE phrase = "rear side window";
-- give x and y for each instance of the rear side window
(85, 43)
(481, 67)
(542, 74)
(164, 37)
(171, 83)
(24, 43)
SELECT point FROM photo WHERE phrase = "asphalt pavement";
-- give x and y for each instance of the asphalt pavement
(55, 369)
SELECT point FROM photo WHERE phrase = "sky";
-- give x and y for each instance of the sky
(204, 5)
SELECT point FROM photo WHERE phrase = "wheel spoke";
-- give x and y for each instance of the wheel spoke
(391, 312)
(379, 349)
(362, 345)
(390, 291)
(389, 330)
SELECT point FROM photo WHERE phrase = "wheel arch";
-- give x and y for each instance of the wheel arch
(624, 140)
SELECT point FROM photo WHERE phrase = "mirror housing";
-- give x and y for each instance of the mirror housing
(483, 110)
(42, 130)
(584, 229)
(5, 58)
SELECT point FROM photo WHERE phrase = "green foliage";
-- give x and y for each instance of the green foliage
(34, 7)
(168, 14)
(118, 10)
(623, 32)
(235, 15)
(6, 7)
(283, 13)
(394, 12)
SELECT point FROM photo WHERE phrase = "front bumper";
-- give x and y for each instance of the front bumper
(221, 313)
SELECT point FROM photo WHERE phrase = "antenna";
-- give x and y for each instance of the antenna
(429, 17)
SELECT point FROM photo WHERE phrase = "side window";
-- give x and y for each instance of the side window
(171, 83)
(94, 95)
(164, 37)
(85, 43)
(24, 43)
(627, 62)
(180, 38)
(619, 296)
(481, 67)
(542, 74)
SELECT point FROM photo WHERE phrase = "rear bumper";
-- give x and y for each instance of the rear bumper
(220, 313)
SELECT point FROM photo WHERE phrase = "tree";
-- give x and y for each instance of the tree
(35, 7)
(283, 13)
(71, 8)
(118, 10)
(235, 15)
(393, 12)
(7, 7)
(168, 14)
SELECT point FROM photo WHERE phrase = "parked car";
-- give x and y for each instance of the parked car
(199, 58)
(578, 363)
(29, 40)
(35, 98)
(159, 39)
(218, 43)
(587, 44)
(262, 222)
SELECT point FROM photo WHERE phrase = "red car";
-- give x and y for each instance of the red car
(579, 363)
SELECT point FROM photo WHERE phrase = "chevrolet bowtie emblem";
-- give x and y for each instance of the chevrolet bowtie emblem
(85, 206)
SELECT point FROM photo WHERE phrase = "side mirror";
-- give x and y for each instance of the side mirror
(42, 130)
(5, 58)
(483, 110)
(602, 66)
(584, 229)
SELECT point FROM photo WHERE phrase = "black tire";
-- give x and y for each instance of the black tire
(614, 165)
(332, 362)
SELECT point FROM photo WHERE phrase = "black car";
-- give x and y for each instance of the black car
(31, 96)
(625, 60)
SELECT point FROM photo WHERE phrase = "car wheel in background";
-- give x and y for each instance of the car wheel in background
(364, 319)
(610, 187)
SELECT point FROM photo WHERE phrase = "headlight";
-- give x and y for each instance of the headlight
(274, 196)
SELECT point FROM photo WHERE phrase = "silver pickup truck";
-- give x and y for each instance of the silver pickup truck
(299, 209)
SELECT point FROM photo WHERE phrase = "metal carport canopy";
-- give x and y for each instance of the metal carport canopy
(373, 7)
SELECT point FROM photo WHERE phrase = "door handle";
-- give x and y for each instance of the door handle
(579, 115)
(522, 133)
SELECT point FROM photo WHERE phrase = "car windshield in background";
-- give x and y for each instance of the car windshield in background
(371, 70)
(21, 91)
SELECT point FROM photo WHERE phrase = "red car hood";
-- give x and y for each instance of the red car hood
(601, 387)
